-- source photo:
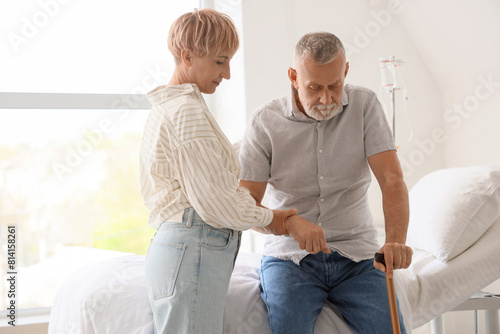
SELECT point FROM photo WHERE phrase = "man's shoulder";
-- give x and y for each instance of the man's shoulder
(355, 90)
(272, 109)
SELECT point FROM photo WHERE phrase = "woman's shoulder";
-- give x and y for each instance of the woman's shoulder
(173, 101)
(172, 95)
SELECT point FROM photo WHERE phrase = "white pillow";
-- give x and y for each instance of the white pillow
(451, 208)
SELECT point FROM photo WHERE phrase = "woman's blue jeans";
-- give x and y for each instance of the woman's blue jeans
(188, 268)
(295, 294)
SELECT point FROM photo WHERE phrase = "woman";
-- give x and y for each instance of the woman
(189, 182)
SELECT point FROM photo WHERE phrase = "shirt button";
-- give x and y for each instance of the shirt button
(320, 150)
(321, 200)
(321, 177)
(320, 224)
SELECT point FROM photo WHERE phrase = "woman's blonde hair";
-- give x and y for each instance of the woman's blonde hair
(204, 32)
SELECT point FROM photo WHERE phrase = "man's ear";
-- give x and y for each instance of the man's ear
(187, 57)
(346, 69)
(292, 75)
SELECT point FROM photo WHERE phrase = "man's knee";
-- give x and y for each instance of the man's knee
(293, 297)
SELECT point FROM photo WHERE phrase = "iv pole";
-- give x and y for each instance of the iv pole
(389, 82)
(394, 112)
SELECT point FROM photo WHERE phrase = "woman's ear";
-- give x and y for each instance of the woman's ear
(187, 57)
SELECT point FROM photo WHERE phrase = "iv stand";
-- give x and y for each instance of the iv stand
(393, 113)
(390, 83)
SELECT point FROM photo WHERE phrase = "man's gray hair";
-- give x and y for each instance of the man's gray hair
(322, 47)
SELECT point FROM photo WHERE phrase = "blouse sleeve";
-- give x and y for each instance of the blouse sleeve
(212, 187)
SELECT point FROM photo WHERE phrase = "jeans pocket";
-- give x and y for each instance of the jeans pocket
(162, 268)
(216, 239)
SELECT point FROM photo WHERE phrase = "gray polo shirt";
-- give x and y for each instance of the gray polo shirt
(320, 168)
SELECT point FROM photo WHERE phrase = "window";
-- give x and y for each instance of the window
(69, 185)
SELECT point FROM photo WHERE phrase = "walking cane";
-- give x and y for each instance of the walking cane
(393, 307)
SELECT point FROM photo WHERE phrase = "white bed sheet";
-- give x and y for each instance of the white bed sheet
(105, 297)
(110, 297)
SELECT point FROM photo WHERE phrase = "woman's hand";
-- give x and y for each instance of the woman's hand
(277, 225)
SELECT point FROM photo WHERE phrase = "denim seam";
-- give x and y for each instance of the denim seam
(237, 235)
(263, 294)
(218, 248)
(180, 226)
(196, 284)
(352, 314)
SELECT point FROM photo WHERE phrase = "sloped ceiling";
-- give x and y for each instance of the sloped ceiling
(458, 39)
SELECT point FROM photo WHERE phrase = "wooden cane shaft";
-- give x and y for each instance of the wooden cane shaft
(393, 306)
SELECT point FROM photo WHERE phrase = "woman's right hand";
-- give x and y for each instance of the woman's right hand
(277, 225)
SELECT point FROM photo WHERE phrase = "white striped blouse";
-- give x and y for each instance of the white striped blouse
(187, 161)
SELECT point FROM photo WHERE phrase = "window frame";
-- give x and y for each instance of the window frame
(73, 101)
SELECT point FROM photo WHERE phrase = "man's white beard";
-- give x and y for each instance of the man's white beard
(322, 112)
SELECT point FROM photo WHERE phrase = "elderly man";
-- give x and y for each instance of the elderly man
(315, 148)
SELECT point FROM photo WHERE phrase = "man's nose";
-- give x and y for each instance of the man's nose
(326, 97)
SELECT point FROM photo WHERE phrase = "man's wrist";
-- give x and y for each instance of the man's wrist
(288, 223)
(395, 238)
(284, 227)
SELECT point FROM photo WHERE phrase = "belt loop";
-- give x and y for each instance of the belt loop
(190, 217)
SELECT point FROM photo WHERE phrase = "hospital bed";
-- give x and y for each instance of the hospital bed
(454, 232)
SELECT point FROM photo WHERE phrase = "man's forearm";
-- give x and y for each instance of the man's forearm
(396, 210)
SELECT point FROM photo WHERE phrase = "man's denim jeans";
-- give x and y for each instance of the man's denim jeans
(295, 294)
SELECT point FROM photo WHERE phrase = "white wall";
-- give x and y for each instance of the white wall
(228, 103)
(458, 40)
(268, 50)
